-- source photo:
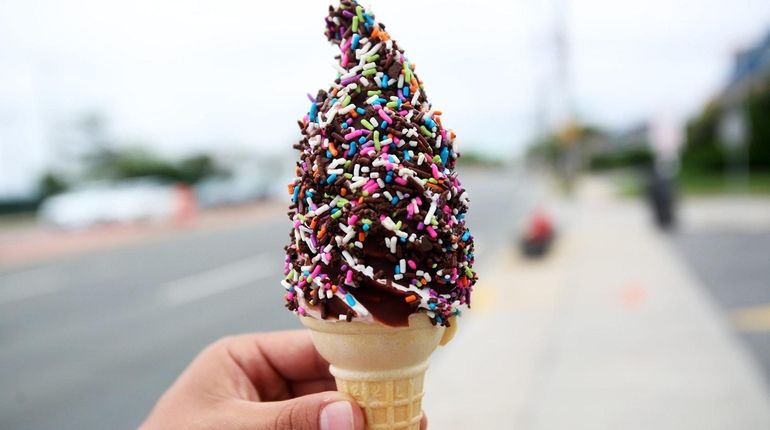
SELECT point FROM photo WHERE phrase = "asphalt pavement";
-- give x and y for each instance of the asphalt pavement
(734, 267)
(90, 341)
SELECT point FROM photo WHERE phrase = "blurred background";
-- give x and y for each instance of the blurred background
(617, 155)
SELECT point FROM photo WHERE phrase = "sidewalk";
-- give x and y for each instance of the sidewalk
(611, 331)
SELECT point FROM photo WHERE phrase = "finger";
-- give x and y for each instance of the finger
(302, 388)
(424, 421)
(272, 361)
(321, 411)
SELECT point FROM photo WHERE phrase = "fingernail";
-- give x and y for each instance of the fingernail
(337, 416)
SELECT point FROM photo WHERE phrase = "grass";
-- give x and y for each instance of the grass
(630, 184)
(697, 183)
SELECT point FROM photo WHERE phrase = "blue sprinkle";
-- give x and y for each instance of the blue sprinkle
(365, 227)
(383, 124)
(351, 301)
(431, 306)
(360, 111)
(313, 112)
(334, 100)
(398, 103)
(384, 83)
(381, 100)
(328, 154)
(331, 178)
(402, 239)
(296, 194)
(406, 91)
(444, 155)
(466, 235)
(344, 125)
(352, 148)
(407, 157)
(362, 140)
(438, 319)
(398, 269)
(356, 39)
(394, 200)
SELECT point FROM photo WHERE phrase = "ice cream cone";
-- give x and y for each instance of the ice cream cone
(381, 367)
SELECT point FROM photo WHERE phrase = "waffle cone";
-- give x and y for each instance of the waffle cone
(383, 368)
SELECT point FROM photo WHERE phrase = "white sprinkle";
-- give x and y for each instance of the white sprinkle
(364, 81)
(321, 209)
(402, 265)
(393, 245)
(415, 97)
(431, 212)
(368, 66)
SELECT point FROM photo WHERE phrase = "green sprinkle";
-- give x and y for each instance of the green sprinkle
(369, 72)
(398, 225)
(436, 159)
(365, 193)
(337, 214)
(348, 163)
(341, 202)
(373, 93)
(290, 275)
(359, 13)
(366, 221)
(423, 130)
(371, 58)
(432, 180)
(407, 72)
(435, 265)
(348, 175)
(468, 272)
(346, 100)
(367, 124)
(355, 23)
(377, 140)
(391, 104)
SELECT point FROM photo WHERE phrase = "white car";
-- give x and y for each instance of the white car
(102, 203)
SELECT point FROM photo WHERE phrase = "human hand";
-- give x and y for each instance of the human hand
(265, 381)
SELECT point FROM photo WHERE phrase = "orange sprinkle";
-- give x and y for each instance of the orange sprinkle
(360, 200)
(375, 31)
(437, 113)
(334, 288)
(291, 189)
(332, 149)
(410, 299)
(322, 233)
(354, 114)
(361, 236)
(453, 134)
(313, 223)
(343, 191)
(423, 281)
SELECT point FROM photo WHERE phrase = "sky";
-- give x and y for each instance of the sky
(184, 76)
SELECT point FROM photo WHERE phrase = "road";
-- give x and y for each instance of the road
(734, 267)
(90, 341)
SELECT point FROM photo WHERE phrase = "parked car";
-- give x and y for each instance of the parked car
(110, 203)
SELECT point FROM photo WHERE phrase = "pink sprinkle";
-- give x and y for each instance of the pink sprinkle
(301, 311)
(353, 134)
(446, 209)
(409, 209)
(420, 226)
(401, 181)
(290, 295)
(349, 276)
(296, 224)
(413, 265)
(431, 232)
(385, 116)
(328, 286)
(316, 271)
(352, 220)
(344, 47)
(403, 113)
(377, 107)
(344, 62)
(419, 201)
(435, 171)
(389, 166)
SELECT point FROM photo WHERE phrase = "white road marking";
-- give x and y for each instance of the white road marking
(24, 285)
(224, 278)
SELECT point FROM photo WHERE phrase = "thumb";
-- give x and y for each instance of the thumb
(329, 410)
